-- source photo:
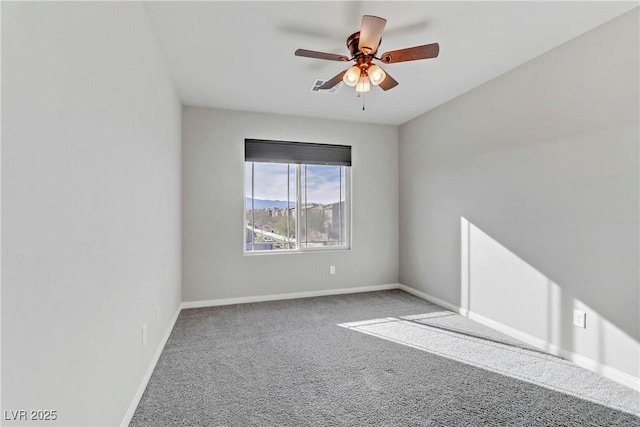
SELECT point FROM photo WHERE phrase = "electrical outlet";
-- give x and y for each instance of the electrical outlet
(332, 270)
(579, 319)
(144, 335)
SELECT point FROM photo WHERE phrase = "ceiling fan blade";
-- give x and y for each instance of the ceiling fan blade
(334, 81)
(321, 55)
(370, 33)
(411, 53)
(388, 83)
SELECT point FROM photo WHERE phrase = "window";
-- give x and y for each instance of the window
(296, 196)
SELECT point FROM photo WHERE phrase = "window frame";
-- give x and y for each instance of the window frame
(299, 248)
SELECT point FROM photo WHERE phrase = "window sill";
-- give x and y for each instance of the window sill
(290, 252)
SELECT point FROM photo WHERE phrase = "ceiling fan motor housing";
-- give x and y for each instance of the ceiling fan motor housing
(352, 44)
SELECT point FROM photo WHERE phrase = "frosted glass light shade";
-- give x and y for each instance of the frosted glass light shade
(370, 33)
(363, 84)
(351, 76)
(376, 75)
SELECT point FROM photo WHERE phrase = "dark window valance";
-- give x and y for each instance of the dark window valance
(262, 150)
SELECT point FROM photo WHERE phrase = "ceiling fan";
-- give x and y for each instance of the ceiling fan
(363, 46)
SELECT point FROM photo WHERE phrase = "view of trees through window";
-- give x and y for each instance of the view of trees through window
(284, 201)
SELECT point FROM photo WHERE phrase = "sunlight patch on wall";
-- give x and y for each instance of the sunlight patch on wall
(498, 286)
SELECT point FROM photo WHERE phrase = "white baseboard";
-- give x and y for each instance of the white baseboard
(515, 333)
(582, 361)
(292, 295)
(604, 370)
(147, 376)
(437, 301)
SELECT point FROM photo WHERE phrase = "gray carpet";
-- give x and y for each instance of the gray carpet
(380, 358)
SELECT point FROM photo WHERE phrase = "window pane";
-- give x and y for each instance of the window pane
(270, 214)
(323, 206)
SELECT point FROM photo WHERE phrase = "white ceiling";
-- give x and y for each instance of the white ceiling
(240, 55)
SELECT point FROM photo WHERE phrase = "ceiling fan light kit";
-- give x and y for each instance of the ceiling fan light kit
(376, 74)
(363, 46)
(363, 84)
(352, 76)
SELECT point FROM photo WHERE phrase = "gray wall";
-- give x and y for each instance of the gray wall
(213, 201)
(519, 200)
(90, 207)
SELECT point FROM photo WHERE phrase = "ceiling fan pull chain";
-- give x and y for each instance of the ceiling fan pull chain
(363, 101)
